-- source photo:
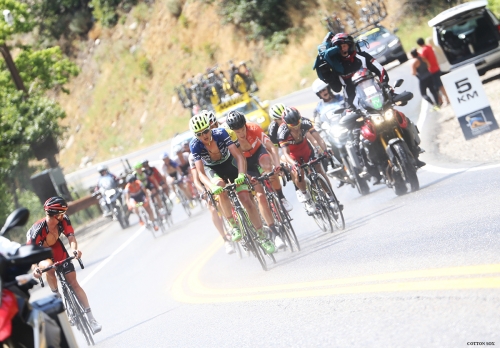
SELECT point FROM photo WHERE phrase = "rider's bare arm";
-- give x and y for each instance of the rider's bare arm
(201, 174)
(286, 154)
(273, 150)
(317, 139)
(74, 246)
(196, 180)
(240, 159)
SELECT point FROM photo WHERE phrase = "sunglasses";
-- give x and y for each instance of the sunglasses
(57, 215)
(199, 134)
(294, 126)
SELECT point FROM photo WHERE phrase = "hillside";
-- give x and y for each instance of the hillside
(123, 98)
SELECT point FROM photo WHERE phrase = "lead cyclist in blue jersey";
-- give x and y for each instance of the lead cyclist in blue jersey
(224, 163)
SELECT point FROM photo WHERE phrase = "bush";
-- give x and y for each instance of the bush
(175, 7)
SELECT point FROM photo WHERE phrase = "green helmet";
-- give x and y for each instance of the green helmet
(199, 122)
(277, 110)
(138, 165)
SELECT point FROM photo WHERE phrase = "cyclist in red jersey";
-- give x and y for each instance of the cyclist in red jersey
(295, 136)
(46, 232)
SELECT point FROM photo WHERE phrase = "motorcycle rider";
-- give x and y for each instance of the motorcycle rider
(344, 60)
(45, 232)
(105, 178)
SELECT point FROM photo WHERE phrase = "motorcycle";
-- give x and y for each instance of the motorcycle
(40, 324)
(111, 200)
(343, 147)
(385, 133)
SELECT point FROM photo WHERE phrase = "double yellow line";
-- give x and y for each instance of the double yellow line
(188, 287)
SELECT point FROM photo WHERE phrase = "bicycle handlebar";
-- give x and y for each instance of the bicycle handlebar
(57, 264)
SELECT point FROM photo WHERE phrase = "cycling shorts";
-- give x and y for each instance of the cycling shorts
(67, 267)
(140, 198)
(304, 151)
(253, 166)
(227, 171)
(185, 168)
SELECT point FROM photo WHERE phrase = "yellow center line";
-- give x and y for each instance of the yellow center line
(189, 288)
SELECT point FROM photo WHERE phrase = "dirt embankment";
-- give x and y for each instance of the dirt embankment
(124, 99)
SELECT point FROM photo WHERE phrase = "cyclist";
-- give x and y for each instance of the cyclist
(46, 232)
(261, 155)
(172, 169)
(134, 193)
(149, 182)
(182, 160)
(159, 182)
(224, 162)
(295, 135)
(275, 112)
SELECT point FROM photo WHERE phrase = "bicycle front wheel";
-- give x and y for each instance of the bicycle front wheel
(332, 205)
(76, 314)
(250, 237)
(321, 215)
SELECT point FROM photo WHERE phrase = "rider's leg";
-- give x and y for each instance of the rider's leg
(266, 163)
(82, 298)
(51, 275)
(319, 169)
(217, 220)
(251, 209)
(263, 205)
(185, 190)
(149, 211)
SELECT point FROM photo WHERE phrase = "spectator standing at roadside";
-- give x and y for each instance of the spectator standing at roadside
(420, 68)
(427, 52)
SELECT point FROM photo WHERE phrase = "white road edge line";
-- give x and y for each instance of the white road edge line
(103, 263)
(423, 115)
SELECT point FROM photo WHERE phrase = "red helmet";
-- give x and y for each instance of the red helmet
(55, 205)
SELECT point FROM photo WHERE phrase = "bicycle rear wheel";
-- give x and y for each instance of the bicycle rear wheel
(335, 213)
(287, 226)
(250, 236)
(77, 314)
(183, 200)
(320, 216)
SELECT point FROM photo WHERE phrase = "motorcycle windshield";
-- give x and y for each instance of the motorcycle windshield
(106, 182)
(370, 94)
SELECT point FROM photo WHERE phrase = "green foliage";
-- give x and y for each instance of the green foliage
(22, 20)
(174, 7)
(494, 6)
(145, 65)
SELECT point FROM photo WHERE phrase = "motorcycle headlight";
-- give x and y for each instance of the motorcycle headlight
(377, 119)
(338, 131)
(389, 114)
(109, 193)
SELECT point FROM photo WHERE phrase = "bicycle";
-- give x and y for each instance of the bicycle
(168, 205)
(328, 209)
(74, 309)
(282, 219)
(144, 216)
(250, 239)
(182, 197)
(225, 223)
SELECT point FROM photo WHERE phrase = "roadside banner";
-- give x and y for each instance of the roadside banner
(469, 101)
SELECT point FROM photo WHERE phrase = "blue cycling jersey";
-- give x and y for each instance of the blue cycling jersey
(223, 141)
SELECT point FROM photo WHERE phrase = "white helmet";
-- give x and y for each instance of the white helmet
(277, 110)
(319, 85)
(210, 115)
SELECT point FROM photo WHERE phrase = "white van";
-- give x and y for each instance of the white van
(467, 34)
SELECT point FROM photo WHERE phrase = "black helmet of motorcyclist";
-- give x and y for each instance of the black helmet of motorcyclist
(102, 169)
(130, 178)
(236, 120)
(291, 116)
(346, 52)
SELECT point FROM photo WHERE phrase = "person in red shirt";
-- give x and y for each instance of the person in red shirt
(427, 52)
(46, 232)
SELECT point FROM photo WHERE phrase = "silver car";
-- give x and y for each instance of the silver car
(383, 45)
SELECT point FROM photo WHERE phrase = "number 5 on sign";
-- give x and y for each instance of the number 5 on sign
(468, 100)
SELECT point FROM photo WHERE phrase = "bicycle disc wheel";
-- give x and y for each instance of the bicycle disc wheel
(79, 317)
(320, 216)
(335, 213)
(250, 236)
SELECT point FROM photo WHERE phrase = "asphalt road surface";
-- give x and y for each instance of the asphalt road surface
(420, 270)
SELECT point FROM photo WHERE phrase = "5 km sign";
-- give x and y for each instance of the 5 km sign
(469, 101)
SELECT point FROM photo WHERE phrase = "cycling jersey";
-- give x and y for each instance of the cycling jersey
(38, 233)
(223, 141)
(272, 130)
(298, 149)
(255, 137)
(134, 188)
(232, 135)
(152, 171)
(172, 165)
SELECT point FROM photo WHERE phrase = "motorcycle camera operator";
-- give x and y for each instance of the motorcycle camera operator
(106, 181)
(340, 53)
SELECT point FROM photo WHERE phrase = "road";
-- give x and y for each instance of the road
(412, 271)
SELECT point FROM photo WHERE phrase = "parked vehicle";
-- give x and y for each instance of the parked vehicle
(383, 45)
(382, 143)
(40, 324)
(467, 34)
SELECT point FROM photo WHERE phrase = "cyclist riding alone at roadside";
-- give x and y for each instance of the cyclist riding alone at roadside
(261, 156)
(295, 136)
(46, 232)
(172, 170)
(135, 193)
(214, 150)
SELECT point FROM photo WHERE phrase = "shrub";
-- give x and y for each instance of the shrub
(175, 7)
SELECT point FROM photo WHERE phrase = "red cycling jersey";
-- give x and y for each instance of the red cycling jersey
(38, 233)
(255, 137)
(298, 149)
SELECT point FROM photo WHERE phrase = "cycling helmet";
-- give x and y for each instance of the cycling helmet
(236, 120)
(164, 155)
(138, 165)
(145, 161)
(198, 123)
(101, 168)
(210, 115)
(277, 110)
(55, 205)
(291, 116)
(130, 178)
(319, 85)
